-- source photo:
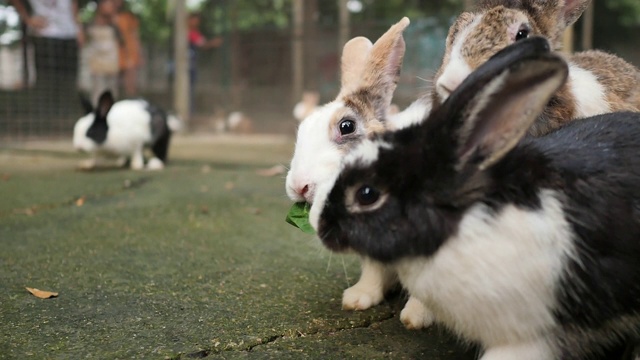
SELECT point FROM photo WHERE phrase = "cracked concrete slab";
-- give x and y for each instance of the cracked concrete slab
(194, 261)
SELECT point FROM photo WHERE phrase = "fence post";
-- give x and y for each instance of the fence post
(181, 88)
(297, 46)
(587, 27)
(345, 24)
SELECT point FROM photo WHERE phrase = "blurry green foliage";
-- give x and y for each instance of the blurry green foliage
(221, 15)
(628, 11)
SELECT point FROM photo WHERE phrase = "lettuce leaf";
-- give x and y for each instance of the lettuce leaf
(298, 216)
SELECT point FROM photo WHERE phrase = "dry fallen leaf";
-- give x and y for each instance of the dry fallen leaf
(272, 171)
(42, 294)
(80, 201)
(229, 185)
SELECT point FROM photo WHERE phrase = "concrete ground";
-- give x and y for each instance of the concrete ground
(191, 262)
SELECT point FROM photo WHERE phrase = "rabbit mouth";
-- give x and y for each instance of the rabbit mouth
(332, 242)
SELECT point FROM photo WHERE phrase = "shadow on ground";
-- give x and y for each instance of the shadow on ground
(194, 261)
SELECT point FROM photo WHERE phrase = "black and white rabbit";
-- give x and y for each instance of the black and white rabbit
(124, 129)
(527, 246)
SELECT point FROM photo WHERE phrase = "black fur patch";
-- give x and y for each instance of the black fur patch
(99, 128)
(160, 132)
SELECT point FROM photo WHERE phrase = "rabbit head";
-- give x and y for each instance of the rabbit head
(370, 73)
(404, 193)
(475, 37)
(91, 130)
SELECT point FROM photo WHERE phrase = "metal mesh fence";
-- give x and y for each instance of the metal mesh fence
(250, 75)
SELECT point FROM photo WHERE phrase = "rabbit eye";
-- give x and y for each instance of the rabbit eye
(347, 126)
(522, 34)
(365, 198)
(367, 195)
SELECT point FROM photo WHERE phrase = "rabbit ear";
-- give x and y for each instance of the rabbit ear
(105, 102)
(354, 57)
(571, 11)
(383, 66)
(374, 67)
(495, 106)
(555, 16)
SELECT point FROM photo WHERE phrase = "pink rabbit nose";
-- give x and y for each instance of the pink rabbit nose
(306, 192)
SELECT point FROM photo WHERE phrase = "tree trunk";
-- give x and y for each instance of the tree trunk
(297, 50)
(181, 89)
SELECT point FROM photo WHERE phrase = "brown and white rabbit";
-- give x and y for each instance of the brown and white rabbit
(369, 76)
(598, 82)
(525, 245)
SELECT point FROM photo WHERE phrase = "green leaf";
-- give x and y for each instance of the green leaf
(298, 216)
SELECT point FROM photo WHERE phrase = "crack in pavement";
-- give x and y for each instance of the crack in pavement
(78, 200)
(273, 338)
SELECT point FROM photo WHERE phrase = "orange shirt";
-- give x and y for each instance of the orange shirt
(128, 25)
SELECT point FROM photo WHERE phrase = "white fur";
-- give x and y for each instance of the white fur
(414, 114)
(129, 131)
(415, 315)
(174, 123)
(494, 281)
(316, 162)
(366, 152)
(370, 289)
(457, 68)
(589, 93)
(316, 157)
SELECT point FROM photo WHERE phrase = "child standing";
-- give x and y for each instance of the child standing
(103, 56)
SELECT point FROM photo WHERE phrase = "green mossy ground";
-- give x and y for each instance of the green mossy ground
(194, 261)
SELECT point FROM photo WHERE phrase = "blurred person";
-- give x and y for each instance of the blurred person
(197, 41)
(54, 29)
(130, 49)
(104, 41)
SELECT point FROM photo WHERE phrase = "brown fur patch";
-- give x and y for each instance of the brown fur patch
(621, 80)
(491, 34)
(370, 108)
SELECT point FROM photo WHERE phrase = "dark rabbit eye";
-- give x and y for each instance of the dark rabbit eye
(367, 195)
(522, 34)
(347, 126)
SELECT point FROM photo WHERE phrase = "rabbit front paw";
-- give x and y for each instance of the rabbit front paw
(415, 315)
(155, 164)
(361, 296)
(88, 164)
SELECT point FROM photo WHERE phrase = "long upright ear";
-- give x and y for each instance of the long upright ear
(570, 11)
(105, 102)
(488, 115)
(354, 58)
(383, 66)
(553, 16)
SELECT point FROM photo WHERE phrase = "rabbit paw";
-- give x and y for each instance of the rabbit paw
(415, 315)
(155, 164)
(121, 161)
(361, 297)
(88, 164)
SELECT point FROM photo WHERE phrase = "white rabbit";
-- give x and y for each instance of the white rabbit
(369, 76)
(525, 245)
(124, 129)
(598, 82)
